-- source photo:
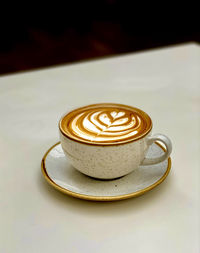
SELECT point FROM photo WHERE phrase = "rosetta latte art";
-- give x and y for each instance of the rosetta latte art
(105, 124)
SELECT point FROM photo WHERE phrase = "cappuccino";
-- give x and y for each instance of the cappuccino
(105, 124)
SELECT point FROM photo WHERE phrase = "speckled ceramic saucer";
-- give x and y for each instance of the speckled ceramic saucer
(61, 175)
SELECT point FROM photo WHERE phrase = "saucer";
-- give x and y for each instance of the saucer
(62, 176)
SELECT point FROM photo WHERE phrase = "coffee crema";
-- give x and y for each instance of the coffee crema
(105, 124)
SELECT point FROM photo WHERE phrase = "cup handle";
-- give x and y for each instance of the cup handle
(168, 145)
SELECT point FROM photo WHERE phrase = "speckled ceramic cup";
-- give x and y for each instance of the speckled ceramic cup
(107, 141)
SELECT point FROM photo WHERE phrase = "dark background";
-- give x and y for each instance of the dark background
(67, 35)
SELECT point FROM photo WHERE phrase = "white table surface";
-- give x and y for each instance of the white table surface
(37, 218)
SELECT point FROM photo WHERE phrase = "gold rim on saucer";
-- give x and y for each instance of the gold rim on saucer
(101, 198)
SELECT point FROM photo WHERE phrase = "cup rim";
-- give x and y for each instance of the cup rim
(105, 143)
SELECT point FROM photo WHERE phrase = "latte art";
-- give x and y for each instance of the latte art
(105, 124)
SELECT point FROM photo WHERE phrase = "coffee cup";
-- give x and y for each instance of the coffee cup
(108, 140)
